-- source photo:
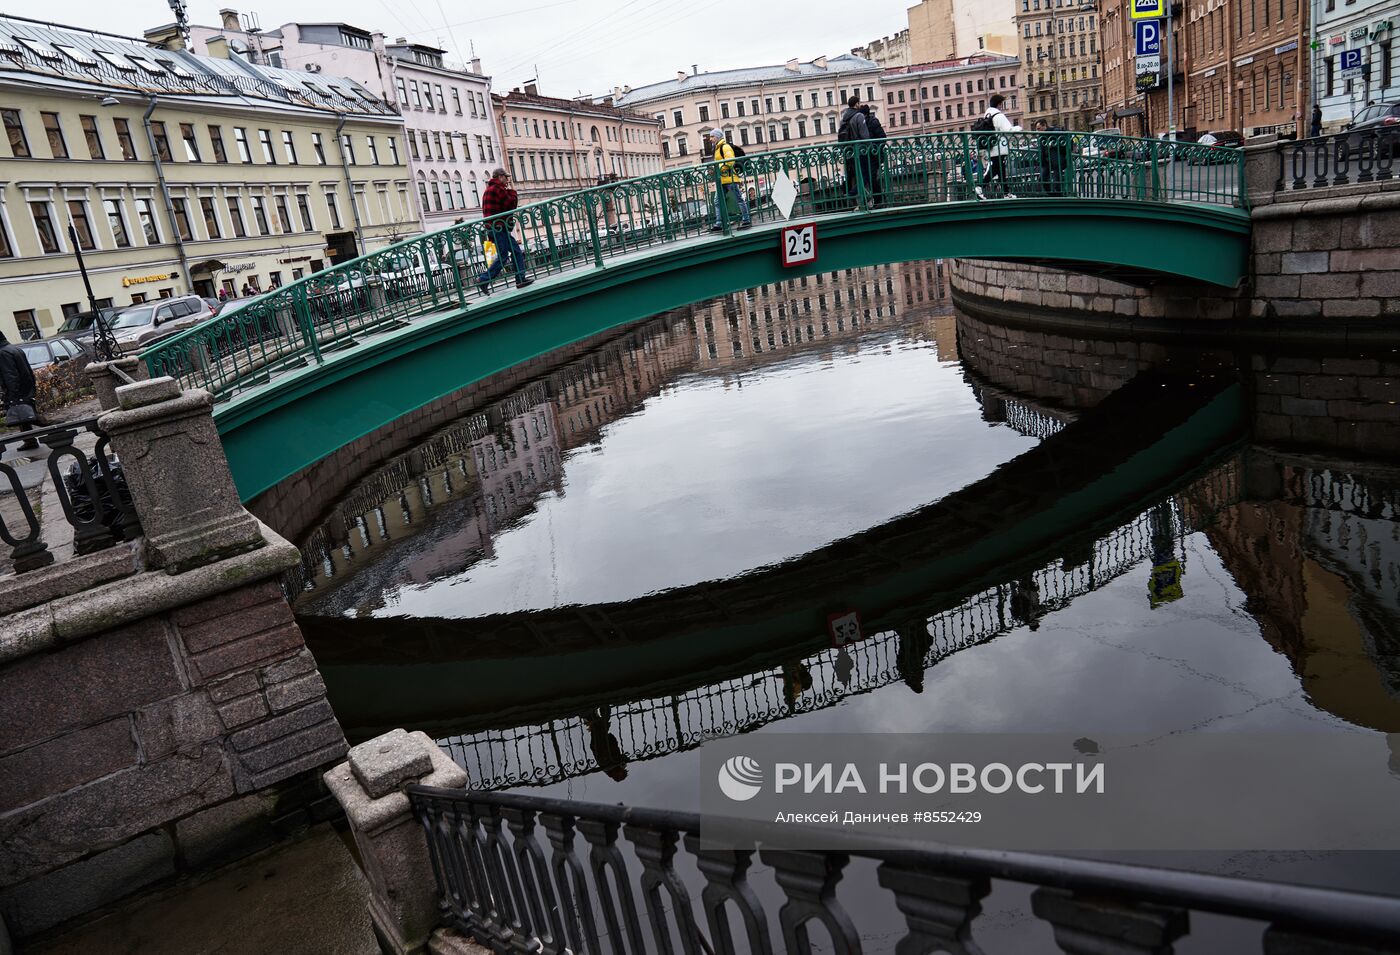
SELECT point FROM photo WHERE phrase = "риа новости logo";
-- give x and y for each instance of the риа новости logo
(740, 778)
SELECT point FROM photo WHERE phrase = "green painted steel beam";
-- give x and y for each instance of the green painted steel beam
(302, 416)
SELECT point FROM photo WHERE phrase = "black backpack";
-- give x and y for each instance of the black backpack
(985, 125)
(843, 132)
(738, 153)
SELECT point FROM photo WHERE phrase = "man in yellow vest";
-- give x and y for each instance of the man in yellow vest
(731, 179)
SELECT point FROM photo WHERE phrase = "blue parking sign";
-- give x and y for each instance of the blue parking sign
(1149, 37)
(1148, 9)
(1351, 63)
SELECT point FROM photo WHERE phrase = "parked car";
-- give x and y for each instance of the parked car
(1382, 119)
(53, 351)
(1220, 139)
(79, 327)
(139, 325)
(1103, 142)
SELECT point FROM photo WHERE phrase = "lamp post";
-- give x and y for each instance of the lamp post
(103, 344)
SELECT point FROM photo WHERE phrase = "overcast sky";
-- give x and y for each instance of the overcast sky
(578, 45)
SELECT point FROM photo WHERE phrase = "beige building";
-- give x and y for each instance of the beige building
(554, 146)
(760, 108)
(174, 173)
(951, 29)
(1064, 62)
(887, 51)
(949, 97)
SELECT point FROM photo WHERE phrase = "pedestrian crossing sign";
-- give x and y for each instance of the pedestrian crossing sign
(1149, 9)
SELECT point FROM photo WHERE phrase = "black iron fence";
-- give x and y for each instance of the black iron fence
(1344, 159)
(513, 874)
(88, 486)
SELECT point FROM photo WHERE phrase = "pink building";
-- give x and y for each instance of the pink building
(949, 96)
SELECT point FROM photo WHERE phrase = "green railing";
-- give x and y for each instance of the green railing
(298, 324)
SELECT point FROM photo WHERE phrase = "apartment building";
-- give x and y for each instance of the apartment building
(760, 108)
(554, 146)
(1063, 57)
(450, 128)
(950, 29)
(887, 51)
(1367, 26)
(949, 97)
(172, 173)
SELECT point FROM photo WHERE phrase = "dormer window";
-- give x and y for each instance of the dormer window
(75, 54)
(114, 60)
(38, 49)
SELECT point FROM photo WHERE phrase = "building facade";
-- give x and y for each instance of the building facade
(951, 29)
(1365, 25)
(887, 51)
(173, 173)
(1061, 49)
(1240, 65)
(450, 129)
(949, 97)
(761, 108)
(554, 146)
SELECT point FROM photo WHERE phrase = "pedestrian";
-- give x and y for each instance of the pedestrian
(997, 147)
(18, 385)
(874, 175)
(498, 200)
(1315, 127)
(731, 182)
(852, 128)
(223, 295)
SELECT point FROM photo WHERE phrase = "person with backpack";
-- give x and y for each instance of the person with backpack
(873, 175)
(730, 179)
(17, 388)
(852, 128)
(990, 130)
(496, 202)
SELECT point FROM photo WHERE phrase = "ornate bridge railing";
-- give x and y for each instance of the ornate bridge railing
(1343, 159)
(299, 323)
(563, 748)
(640, 881)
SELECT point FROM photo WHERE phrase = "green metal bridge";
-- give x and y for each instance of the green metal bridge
(309, 367)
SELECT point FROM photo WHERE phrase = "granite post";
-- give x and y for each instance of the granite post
(106, 380)
(394, 851)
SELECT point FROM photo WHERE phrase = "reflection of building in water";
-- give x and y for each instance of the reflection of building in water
(1319, 562)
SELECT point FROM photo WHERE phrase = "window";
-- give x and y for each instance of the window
(289, 147)
(181, 213)
(146, 215)
(456, 101)
(442, 103)
(452, 148)
(211, 217)
(57, 146)
(437, 142)
(334, 210)
(677, 118)
(235, 216)
(94, 139)
(43, 224)
(216, 140)
(394, 150)
(28, 329)
(347, 148)
(265, 139)
(240, 137)
(704, 113)
(417, 97)
(78, 215)
(191, 143)
(373, 150)
(284, 216)
(260, 215)
(403, 92)
(319, 148)
(304, 210)
(14, 129)
(162, 141)
(413, 146)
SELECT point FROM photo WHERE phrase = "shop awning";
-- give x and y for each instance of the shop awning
(209, 266)
(1125, 113)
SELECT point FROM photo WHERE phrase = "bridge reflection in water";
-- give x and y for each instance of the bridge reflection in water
(1301, 538)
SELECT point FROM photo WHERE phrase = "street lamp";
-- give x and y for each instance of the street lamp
(104, 345)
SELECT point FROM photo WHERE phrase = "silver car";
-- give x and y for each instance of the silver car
(139, 325)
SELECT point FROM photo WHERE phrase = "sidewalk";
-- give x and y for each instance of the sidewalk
(306, 898)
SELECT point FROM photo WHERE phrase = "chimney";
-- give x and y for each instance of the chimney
(217, 47)
(794, 66)
(476, 65)
(820, 62)
(166, 37)
(531, 89)
(680, 76)
(617, 91)
(401, 40)
(229, 18)
(695, 69)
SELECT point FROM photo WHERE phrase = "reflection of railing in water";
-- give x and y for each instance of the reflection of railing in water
(1338, 491)
(610, 737)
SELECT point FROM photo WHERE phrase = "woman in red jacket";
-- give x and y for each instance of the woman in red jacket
(496, 204)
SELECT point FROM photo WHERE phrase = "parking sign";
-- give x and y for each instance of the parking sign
(1149, 37)
(1351, 63)
(1149, 9)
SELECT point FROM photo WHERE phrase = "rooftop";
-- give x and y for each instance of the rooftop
(821, 67)
(521, 98)
(67, 56)
(952, 66)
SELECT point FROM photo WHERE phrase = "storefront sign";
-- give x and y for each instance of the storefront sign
(240, 267)
(1379, 27)
(294, 258)
(1359, 33)
(1287, 47)
(1209, 73)
(1244, 61)
(130, 280)
(1337, 40)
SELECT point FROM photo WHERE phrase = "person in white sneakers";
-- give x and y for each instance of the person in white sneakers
(997, 147)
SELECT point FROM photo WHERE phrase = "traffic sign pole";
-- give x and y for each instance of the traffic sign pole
(1171, 79)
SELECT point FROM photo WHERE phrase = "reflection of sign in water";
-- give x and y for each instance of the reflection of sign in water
(1149, 9)
(1351, 63)
(1165, 585)
(844, 628)
(799, 244)
(1149, 38)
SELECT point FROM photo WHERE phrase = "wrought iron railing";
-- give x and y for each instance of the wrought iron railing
(513, 874)
(299, 323)
(1343, 159)
(90, 490)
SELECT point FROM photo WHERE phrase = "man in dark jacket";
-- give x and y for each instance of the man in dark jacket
(1315, 125)
(496, 204)
(17, 383)
(873, 176)
(852, 128)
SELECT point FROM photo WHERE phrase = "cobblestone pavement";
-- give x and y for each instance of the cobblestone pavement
(306, 898)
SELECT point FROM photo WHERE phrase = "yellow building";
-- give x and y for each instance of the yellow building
(174, 173)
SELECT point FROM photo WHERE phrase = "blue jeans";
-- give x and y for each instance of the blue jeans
(505, 242)
(733, 189)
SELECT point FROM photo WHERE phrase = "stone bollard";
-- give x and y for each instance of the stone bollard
(105, 381)
(1263, 159)
(178, 476)
(392, 847)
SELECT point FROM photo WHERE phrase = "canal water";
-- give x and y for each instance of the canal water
(552, 582)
